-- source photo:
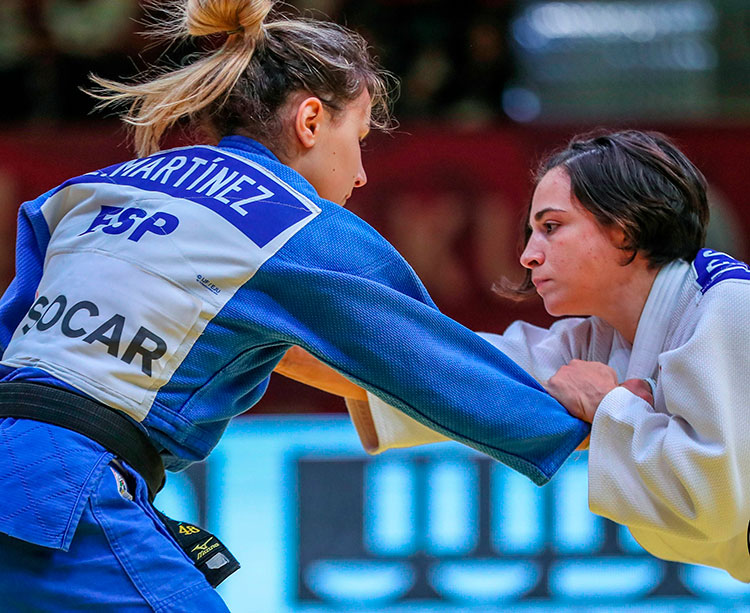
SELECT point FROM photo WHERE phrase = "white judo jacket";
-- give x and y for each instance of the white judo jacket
(676, 474)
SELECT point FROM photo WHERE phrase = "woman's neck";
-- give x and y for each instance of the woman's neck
(624, 304)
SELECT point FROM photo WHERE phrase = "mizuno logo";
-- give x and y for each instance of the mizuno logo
(205, 548)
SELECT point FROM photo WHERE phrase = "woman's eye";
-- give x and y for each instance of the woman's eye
(549, 227)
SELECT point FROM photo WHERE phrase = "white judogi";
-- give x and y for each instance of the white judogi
(677, 474)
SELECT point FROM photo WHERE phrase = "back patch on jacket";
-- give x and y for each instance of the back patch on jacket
(141, 258)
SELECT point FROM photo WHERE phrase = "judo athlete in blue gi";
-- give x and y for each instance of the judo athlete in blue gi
(153, 299)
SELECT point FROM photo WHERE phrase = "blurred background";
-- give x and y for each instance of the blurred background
(487, 88)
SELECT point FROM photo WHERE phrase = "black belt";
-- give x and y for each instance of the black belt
(112, 429)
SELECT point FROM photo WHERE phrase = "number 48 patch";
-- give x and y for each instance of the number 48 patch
(208, 553)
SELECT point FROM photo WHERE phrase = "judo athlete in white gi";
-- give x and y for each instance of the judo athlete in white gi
(615, 230)
(153, 298)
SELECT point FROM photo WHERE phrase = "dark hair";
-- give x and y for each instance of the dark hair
(242, 85)
(638, 181)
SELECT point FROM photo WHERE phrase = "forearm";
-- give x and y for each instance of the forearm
(299, 365)
(362, 418)
(539, 350)
(407, 353)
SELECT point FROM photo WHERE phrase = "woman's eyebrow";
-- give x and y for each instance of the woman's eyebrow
(543, 212)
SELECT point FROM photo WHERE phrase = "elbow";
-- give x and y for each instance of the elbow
(728, 516)
(719, 518)
(720, 503)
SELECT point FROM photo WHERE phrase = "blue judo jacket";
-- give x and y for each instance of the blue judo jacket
(169, 287)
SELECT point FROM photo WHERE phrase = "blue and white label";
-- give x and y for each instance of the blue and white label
(141, 257)
(256, 202)
(715, 266)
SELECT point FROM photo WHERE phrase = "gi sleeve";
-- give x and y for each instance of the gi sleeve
(378, 331)
(542, 351)
(678, 478)
(539, 351)
(32, 239)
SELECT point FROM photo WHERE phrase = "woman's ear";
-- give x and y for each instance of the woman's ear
(308, 121)
(618, 239)
(617, 236)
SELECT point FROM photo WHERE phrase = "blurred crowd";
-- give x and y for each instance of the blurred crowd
(452, 62)
(47, 47)
(480, 61)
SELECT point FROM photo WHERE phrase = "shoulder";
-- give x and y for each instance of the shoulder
(345, 243)
(722, 292)
(714, 267)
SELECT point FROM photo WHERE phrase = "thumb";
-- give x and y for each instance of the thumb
(640, 388)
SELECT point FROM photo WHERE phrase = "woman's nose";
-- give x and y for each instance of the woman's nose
(532, 256)
(361, 177)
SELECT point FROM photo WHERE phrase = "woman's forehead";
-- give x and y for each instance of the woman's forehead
(553, 187)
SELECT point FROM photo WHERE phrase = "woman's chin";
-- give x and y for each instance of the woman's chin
(555, 308)
(560, 310)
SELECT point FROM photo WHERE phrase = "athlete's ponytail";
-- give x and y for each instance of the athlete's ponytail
(241, 86)
(158, 103)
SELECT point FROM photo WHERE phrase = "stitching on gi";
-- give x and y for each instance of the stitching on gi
(26, 487)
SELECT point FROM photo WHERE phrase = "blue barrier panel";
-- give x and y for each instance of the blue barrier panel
(320, 526)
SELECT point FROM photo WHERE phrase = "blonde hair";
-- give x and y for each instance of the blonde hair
(241, 86)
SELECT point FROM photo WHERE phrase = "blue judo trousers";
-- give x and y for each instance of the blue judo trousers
(168, 288)
(121, 557)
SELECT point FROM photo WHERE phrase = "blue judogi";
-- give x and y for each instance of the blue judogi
(169, 287)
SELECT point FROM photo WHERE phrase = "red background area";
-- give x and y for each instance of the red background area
(450, 200)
